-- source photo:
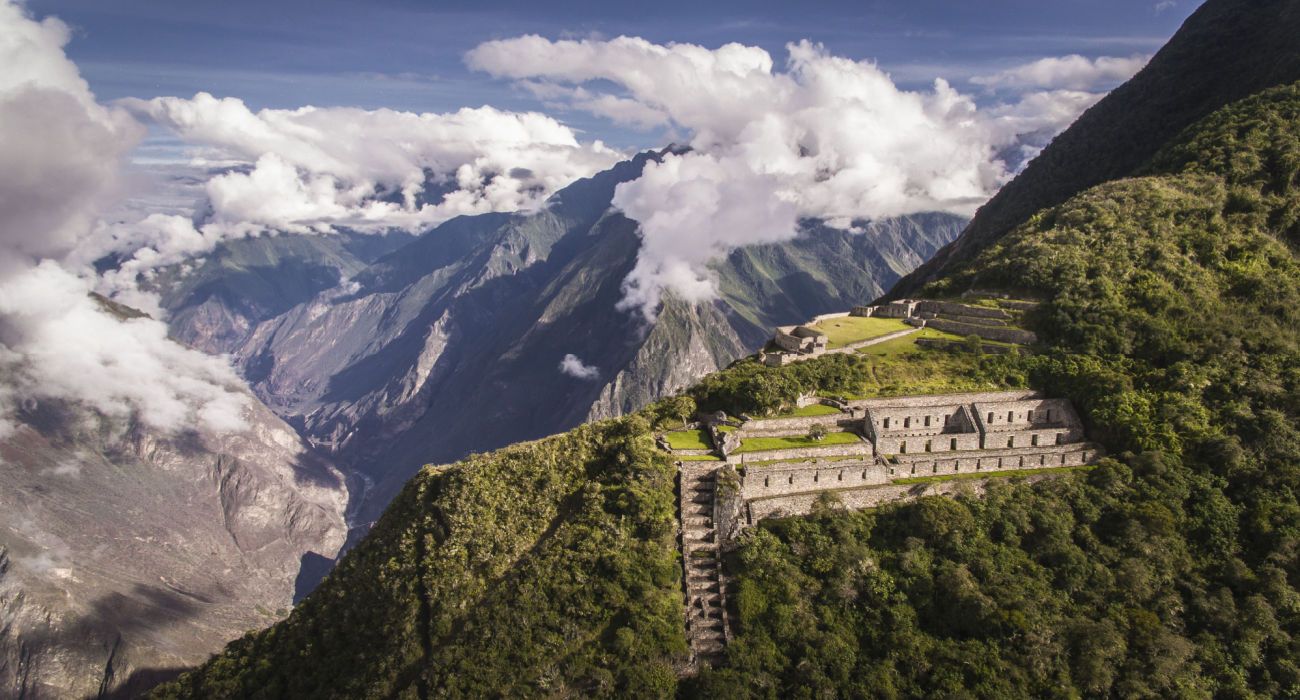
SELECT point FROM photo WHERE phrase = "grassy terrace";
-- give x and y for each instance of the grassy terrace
(688, 440)
(697, 458)
(907, 343)
(765, 444)
(813, 410)
(851, 329)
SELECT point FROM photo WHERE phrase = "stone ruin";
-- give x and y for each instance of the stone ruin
(996, 324)
(903, 441)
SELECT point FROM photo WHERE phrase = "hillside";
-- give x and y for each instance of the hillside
(1170, 318)
(212, 534)
(1226, 50)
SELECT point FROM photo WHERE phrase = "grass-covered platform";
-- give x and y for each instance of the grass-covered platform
(765, 444)
(852, 329)
(816, 409)
(688, 440)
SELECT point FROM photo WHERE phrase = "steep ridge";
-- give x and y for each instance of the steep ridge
(129, 555)
(1226, 50)
(1170, 318)
(453, 343)
(215, 302)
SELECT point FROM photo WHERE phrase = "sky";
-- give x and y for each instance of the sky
(139, 136)
(408, 55)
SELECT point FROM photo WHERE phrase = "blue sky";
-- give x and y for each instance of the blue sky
(405, 54)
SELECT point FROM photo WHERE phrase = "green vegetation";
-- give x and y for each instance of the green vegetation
(851, 329)
(688, 439)
(752, 388)
(1172, 570)
(764, 444)
(546, 568)
(816, 409)
(937, 478)
(907, 344)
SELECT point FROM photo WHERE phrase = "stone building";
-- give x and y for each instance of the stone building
(941, 426)
(1027, 423)
(802, 340)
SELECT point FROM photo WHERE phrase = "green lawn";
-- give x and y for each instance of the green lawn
(907, 343)
(697, 458)
(813, 410)
(688, 440)
(850, 329)
(764, 444)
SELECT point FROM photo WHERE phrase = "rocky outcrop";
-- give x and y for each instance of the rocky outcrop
(126, 555)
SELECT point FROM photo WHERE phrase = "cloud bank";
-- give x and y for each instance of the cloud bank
(573, 366)
(1072, 72)
(63, 153)
(823, 136)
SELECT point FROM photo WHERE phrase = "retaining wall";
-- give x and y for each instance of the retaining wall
(946, 399)
(1001, 335)
(861, 448)
(868, 497)
(949, 307)
(798, 425)
(782, 479)
(994, 460)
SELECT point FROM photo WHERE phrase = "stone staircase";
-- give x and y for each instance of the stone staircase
(705, 605)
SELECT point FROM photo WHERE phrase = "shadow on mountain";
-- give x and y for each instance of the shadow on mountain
(312, 569)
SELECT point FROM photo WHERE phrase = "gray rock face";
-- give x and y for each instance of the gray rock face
(453, 342)
(126, 555)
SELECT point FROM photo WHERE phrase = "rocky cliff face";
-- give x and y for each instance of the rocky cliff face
(453, 342)
(126, 555)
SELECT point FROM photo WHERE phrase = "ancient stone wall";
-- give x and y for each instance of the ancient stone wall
(869, 497)
(946, 399)
(955, 309)
(1001, 335)
(782, 479)
(798, 425)
(993, 460)
(937, 442)
(861, 448)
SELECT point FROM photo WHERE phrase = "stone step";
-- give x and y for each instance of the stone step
(708, 581)
(698, 521)
(699, 509)
(703, 498)
(699, 534)
(701, 564)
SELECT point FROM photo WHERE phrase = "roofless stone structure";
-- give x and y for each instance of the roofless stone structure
(905, 447)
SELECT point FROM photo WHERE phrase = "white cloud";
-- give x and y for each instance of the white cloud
(60, 149)
(63, 153)
(1072, 72)
(824, 137)
(317, 168)
(573, 366)
(1165, 5)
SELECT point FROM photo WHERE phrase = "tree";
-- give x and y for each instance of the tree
(817, 432)
(681, 406)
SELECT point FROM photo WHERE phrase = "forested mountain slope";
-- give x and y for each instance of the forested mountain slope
(1227, 50)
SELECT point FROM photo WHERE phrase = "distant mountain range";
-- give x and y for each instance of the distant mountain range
(389, 352)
